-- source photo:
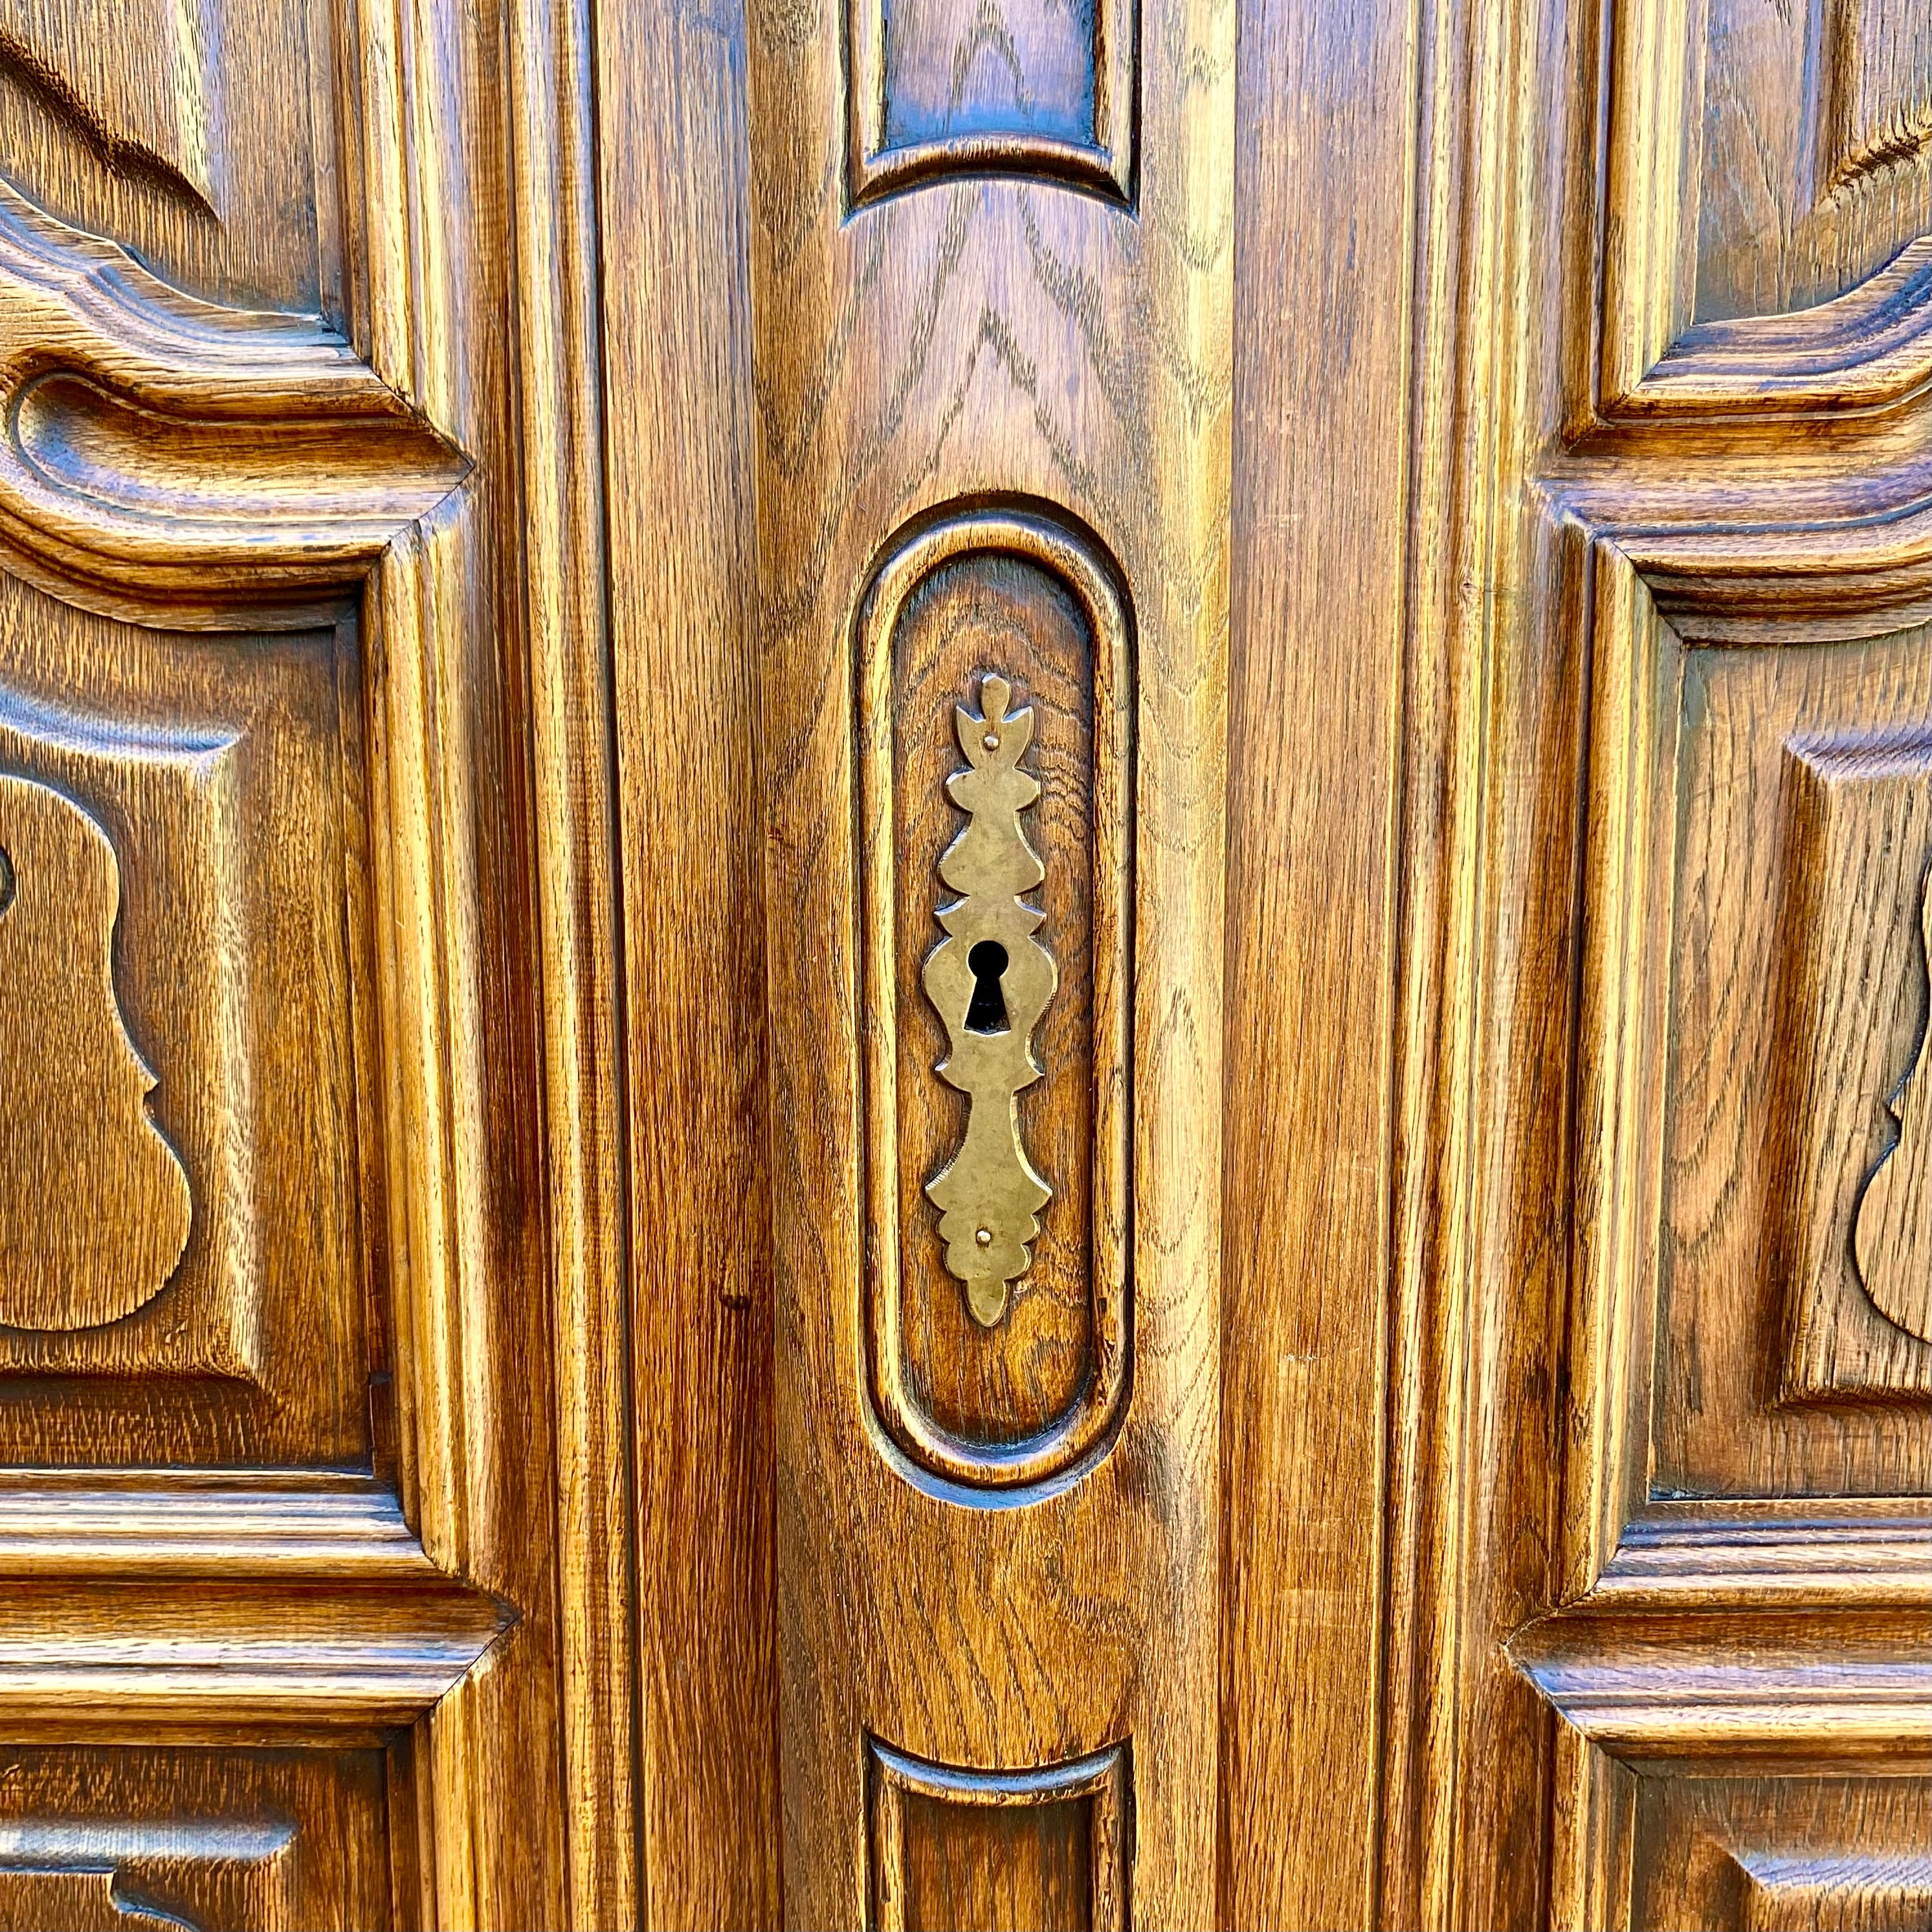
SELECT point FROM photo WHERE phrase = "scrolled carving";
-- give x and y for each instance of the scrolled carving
(166, 461)
(990, 979)
(94, 1208)
(1892, 1236)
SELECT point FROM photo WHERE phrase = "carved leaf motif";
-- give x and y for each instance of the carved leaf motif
(94, 1208)
(988, 1194)
(1892, 1236)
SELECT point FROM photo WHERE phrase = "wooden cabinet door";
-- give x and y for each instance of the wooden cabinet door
(965, 963)
(295, 1577)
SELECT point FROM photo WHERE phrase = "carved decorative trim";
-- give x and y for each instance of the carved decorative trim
(990, 979)
(1892, 1236)
(95, 1208)
(1079, 1432)
(1103, 1780)
(167, 461)
(914, 115)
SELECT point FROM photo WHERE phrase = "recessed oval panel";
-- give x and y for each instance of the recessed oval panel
(995, 766)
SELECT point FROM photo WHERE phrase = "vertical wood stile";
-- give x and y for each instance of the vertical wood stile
(973, 339)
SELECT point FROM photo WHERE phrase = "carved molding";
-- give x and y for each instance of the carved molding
(94, 1208)
(1062, 1445)
(168, 461)
(1101, 1781)
(940, 88)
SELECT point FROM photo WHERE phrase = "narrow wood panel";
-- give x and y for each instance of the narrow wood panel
(674, 168)
(1796, 1011)
(1320, 464)
(999, 613)
(969, 346)
(223, 777)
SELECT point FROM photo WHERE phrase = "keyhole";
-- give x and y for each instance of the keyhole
(986, 1012)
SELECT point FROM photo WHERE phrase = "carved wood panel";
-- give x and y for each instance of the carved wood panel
(222, 782)
(1803, 801)
(108, 1839)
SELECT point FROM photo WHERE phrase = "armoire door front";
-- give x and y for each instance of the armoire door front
(964, 963)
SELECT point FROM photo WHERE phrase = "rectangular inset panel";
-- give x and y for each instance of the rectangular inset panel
(978, 87)
(1783, 1855)
(116, 1839)
(181, 1242)
(1006, 1851)
(1797, 1006)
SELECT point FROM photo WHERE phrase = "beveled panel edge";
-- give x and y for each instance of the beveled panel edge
(166, 461)
(1868, 347)
(1104, 1776)
(1045, 540)
(1104, 166)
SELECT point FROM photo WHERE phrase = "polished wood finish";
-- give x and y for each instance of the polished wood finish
(515, 518)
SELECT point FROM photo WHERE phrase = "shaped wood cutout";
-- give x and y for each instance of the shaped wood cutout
(1892, 1236)
(94, 1208)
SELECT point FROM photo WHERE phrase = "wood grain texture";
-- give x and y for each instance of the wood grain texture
(1783, 1054)
(225, 775)
(95, 1214)
(969, 87)
(1604, 490)
(97, 1840)
(1048, 1847)
(133, 75)
(242, 202)
(995, 1408)
(1779, 1855)
(973, 343)
(675, 181)
(553, 172)
(1321, 456)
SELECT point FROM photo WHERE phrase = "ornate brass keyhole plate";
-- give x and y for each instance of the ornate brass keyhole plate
(990, 979)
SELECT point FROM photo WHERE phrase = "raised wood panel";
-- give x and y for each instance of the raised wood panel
(979, 87)
(1783, 1855)
(133, 75)
(225, 779)
(205, 136)
(1816, 149)
(105, 1839)
(1803, 801)
(1029, 1394)
(1013, 1851)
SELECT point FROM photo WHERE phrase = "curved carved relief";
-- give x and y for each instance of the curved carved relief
(137, 85)
(164, 460)
(1878, 89)
(94, 1208)
(990, 978)
(1003, 635)
(1892, 1236)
